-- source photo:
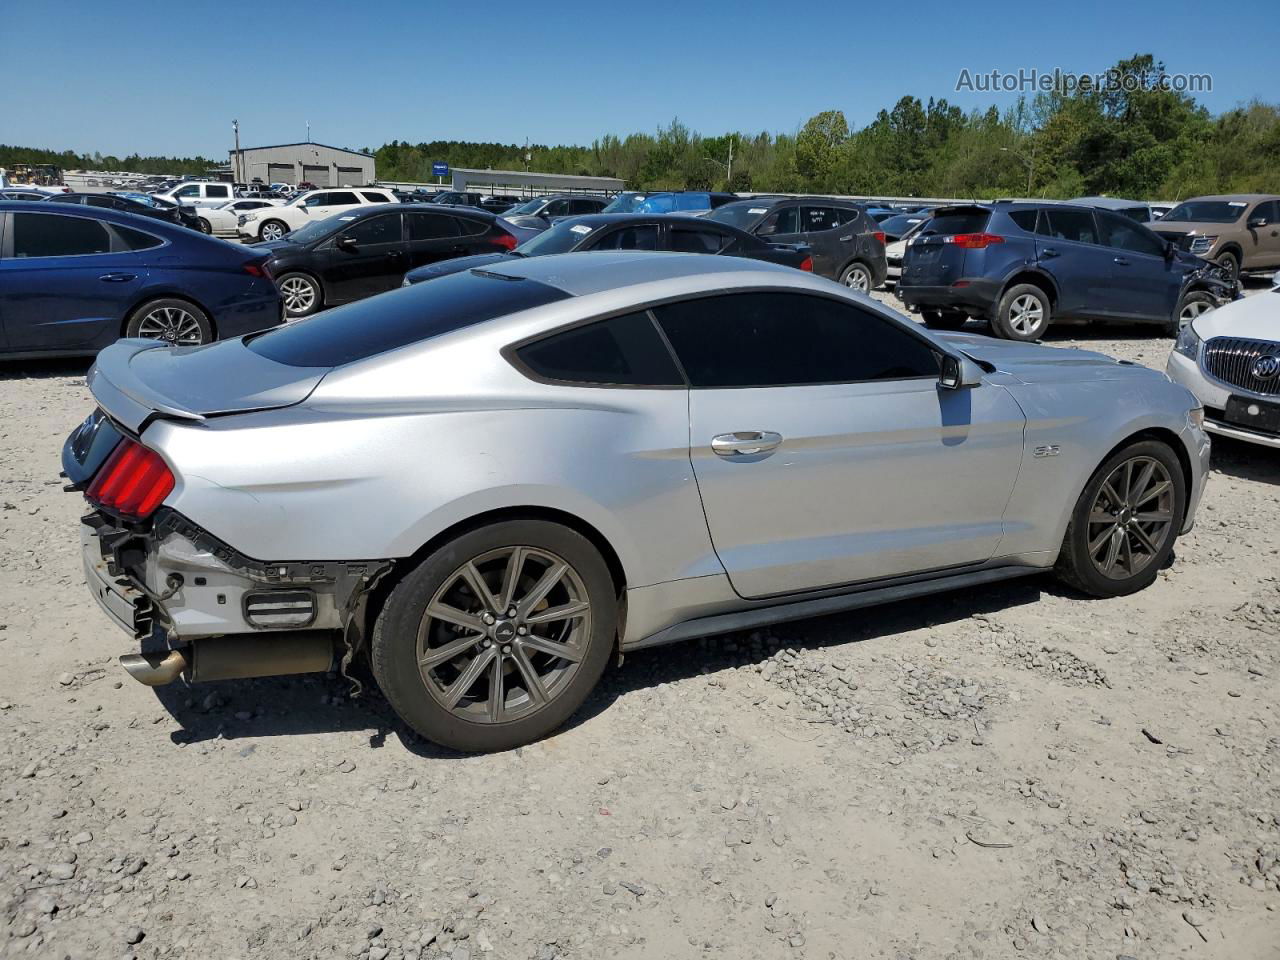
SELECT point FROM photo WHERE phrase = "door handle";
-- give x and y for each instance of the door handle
(745, 443)
(1122, 261)
(1048, 253)
(117, 277)
(846, 239)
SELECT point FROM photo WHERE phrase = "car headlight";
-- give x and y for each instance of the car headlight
(1202, 244)
(1188, 342)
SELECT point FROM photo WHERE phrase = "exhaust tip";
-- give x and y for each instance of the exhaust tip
(155, 669)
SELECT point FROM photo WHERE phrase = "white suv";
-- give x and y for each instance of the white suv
(274, 223)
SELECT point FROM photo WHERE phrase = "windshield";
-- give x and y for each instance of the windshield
(1207, 211)
(900, 224)
(317, 229)
(561, 237)
(659, 203)
(528, 207)
(741, 215)
(625, 203)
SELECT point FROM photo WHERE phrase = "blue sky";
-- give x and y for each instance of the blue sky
(166, 78)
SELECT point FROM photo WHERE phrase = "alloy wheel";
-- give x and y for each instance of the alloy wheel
(1192, 309)
(1026, 314)
(272, 231)
(299, 294)
(1131, 518)
(858, 279)
(173, 325)
(504, 634)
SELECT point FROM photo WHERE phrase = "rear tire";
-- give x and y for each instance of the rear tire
(1023, 314)
(177, 322)
(1124, 524)
(441, 676)
(944, 319)
(857, 277)
(301, 294)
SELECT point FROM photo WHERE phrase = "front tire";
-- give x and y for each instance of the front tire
(857, 277)
(1024, 313)
(272, 230)
(205, 225)
(1191, 306)
(497, 637)
(180, 323)
(301, 294)
(1123, 526)
(1229, 262)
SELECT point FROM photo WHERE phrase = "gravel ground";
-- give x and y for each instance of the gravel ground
(1010, 771)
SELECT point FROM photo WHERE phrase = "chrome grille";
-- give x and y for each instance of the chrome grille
(1231, 360)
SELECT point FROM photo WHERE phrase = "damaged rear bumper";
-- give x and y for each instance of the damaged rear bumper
(174, 586)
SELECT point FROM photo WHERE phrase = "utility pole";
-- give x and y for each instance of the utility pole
(729, 185)
(308, 131)
(237, 170)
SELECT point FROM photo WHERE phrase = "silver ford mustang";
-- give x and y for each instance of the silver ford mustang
(492, 483)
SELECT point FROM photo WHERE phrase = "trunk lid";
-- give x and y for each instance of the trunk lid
(135, 381)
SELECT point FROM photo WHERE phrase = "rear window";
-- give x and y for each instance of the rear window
(411, 315)
(949, 223)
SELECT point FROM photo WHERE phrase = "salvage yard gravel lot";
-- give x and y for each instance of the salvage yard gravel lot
(1012, 771)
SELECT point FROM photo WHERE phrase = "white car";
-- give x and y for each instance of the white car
(894, 252)
(223, 221)
(1230, 359)
(305, 208)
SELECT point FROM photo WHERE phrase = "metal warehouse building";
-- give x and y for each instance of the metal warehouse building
(295, 163)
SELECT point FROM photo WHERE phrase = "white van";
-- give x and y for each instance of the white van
(200, 193)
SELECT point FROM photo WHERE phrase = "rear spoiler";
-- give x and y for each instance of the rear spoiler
(124, 397)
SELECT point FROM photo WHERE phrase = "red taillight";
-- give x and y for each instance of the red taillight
(133, 481)
(973, 241)
(879, 235)
(807, 264)
(256, 269)
(502, 239)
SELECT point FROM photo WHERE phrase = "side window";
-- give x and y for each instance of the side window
(786, 220)
(381, 229)
(217, 191)
(131, 239)
(556, 208)
(641, 237)
(1271, 211)
(373, 196)
(786, 339)
(1124, 234)
(582, 206)
(471, 228)
(53, 235)
(1074, 225)
(101, 201)
(190, 190)
(686, 239)
(342, 198)
(819, 218)
(318, 200)
(624, 351)
(1025, 219)
(431, 226)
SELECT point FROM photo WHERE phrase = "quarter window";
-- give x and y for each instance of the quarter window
(788, 339)
(131, 239)
(622, 351)
(52, 235)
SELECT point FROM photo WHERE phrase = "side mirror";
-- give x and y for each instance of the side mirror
(1257, 223)
(1169, 249)
(959, 373)
(348, 244)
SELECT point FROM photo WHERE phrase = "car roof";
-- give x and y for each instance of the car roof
(581, 274)
(1108, 203)
(135, 220)
(1248, 197)
(603, 219)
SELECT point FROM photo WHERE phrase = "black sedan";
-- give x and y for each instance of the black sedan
(632, 231)
(156, 210)
(367, 250)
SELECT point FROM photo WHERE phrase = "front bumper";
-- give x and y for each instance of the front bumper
(1214, 396)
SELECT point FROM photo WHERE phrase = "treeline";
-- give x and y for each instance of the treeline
(1149, 142)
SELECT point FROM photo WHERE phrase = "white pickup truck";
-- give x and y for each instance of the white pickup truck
(198, 193)
(272, 223)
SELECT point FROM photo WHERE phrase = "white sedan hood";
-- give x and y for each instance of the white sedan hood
(1256, 318)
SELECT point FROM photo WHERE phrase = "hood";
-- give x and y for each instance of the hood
(458, 264)
(1188, 228)
(1035, 363)
(136, 380)
(271, 248)
(1255, 318)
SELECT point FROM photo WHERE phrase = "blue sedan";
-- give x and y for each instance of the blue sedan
(74, 279)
